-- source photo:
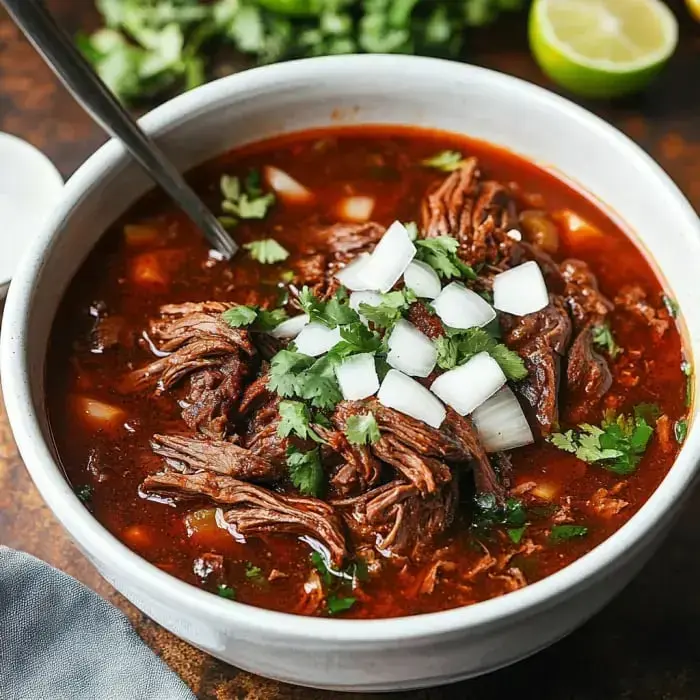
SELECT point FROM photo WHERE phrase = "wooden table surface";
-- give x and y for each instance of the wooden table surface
(644, 645)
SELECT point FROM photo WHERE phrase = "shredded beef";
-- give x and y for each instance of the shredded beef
(587, 374)
(187, 454)
(397, 519)
(540, 339)
(478, 214)
(633, 299)
(255, 511)
(585, 301)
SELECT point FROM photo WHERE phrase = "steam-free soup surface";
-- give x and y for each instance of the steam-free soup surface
(209, 453)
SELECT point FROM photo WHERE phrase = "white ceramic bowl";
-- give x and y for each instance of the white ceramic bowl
(391, 654)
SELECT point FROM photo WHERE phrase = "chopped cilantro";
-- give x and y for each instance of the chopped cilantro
(305, 470)
(618, 445)
(489, 513)
(332, 313)
(245, 201)
(441, 254)
(84, 493)
(516, 533)
(687, 369)
(226, 591)
(446, 161)
(258, 319)
(681, 430)
(362, 429)
(295, 418)
(671, 306)
(253, 572)
(285, 370)
(562, 533)
(320, 565)
(391, 308)
(336, 604)
(603, 338)
(458, 347)
(266, 251)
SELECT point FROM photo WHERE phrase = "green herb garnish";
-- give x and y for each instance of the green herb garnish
(618, 445)
(258, 319)
(446, 161)
(687, 369)
(226, 591)
(563, 533)
(247, 201)
(336, 604)
(392, 307)
(516, 533)
(680, 430)
(296, 419)
(332, 313)
(293, 374)
(84, 493)
(267, 251)
(671, 306)
(441, 254)
(458, 347)
(306, 471)
(362, 429)
(603, 338)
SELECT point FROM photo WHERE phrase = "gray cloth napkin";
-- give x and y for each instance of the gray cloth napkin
(61, 641)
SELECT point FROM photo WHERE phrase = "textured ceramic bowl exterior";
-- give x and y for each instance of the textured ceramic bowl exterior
(345, 654)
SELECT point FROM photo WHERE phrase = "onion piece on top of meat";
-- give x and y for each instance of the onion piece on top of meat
(357, 376)
(315, 339)
(411, 351)
(501, 423)
(422, 280)
(459, 307)
(400, 392)
(290, 328)
(389, 260)
(521, 290)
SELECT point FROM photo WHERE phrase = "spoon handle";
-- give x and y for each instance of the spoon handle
(94, 96)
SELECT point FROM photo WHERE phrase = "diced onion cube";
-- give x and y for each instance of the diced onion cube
(459, 307)
(350, 276)
(315, 339)
(369, 298)
(422, 280)
(286, 186)
(406, 395)
(411, 351)
(501, 423)
(356, 209)
(389, 260)
(468, 386)
(521, 290)
(357, 376)
(98, 414)
(290, 328)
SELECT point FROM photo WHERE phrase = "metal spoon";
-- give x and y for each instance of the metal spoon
(57, 49)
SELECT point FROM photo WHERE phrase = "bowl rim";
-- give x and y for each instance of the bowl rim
(93, 537)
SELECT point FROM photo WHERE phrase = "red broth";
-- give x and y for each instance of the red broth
(128, 277)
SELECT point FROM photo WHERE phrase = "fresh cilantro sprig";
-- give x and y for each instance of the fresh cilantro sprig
(441, 254)
(226, 591)
(488, 513)
(295, 375)
(256, 318)
(245, 201)
(362, 429)
(603, 338)
(687, 369)
(306, 471)
(446, 161)
(332, 313)
(84, 493)
(266, 251)
(564, 533)
(295, 418)
(680, 430)
(458, 347)
(617, 445)
(253, 573)
(392, 307)
(334, 581)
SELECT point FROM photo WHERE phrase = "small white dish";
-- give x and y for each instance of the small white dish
(30, 188)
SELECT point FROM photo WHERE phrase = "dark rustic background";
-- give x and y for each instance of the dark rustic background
(645, 645)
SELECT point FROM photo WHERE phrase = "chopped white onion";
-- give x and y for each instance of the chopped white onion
(459, 307)
(357, 376)
(290, 328)
(422, 280)
(286, 186)
(468, 386)
(501, 422)
(408, 396)
(350, 276)
(356, 209)
(520, 290)
(315, 339)
(369, 298)
(411, 351)
(389, 260)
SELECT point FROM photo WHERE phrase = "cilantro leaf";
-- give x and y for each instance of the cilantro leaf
(356, 338)
(296, 418)
(563, 533)
(680, 430)
(362, 429)
(671, 306)
(266, 251)
(489, 513)
(391, 308)
(446, 161)
(332, 313)
(441, 254)
(305, 470)
(253, 572)
(286, 367)
(459, 346)
(618, 444)
(319, 385)
(246, 202)
(516, 533)
(84, 493)
(687, 369)
(603, 338)
(336, 604)
(258, 319)
(226, 591)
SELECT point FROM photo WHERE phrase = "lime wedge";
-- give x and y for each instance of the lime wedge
(602, 48)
